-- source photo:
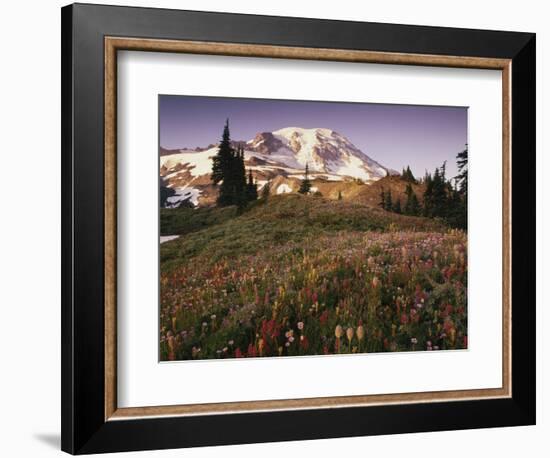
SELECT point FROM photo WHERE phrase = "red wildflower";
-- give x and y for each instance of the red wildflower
(270, 329)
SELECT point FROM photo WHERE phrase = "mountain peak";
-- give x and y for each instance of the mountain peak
(322, 149)
(286, 131)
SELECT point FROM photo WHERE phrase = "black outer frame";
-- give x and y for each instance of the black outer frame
(84, 429)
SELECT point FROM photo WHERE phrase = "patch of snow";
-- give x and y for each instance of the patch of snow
(198, 163)
(261, 183)
(186, 193)
(167, 238)
(333, 177)
(283, 189)
(353, 167)
(313, 189)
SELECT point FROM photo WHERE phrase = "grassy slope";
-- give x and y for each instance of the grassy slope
(219, 232)
(236, 285)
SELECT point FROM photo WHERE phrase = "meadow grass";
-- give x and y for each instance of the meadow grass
(304, 275)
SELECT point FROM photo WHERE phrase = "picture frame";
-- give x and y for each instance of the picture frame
(92, 35)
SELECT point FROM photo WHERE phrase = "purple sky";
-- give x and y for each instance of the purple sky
(394, 135)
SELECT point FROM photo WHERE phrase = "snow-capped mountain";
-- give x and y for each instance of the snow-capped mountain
(281, 155)
(323, 150)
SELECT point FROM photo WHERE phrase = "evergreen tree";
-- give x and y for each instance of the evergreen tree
(237, 179)
(265, 191)
(456, 215)
(305, 186)
(397, 206)
(408, 176)
(435, 196)
(382, 202)
(462, 177)
(228, 171)
(415, 205)
(440, 192)
(388, 204)
(462, 188)
(443, 170)
(442, 199)
(222, 164)
(251, 188)
(427, 198)
(409, 193)
(339, 195)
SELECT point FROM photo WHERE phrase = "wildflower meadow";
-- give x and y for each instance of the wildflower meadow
(299, 275)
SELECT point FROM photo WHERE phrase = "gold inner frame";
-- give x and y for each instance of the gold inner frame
(114, 44)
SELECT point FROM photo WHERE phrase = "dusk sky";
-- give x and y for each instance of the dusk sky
(393, 135)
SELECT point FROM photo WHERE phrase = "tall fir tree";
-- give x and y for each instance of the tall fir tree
(441, 192)
(305, 185)
(229, 173)
(382, 202)
(462, 187)
(411, 201)
(251, 188)
(407, 175)
(388, 204)
(462, 177)
(436, 193)
(396, 208)
(240, 189)
(427, 197)
(443, 200)
(222, 163)
(415, 205)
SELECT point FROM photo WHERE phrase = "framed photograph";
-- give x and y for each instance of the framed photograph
(281, 228)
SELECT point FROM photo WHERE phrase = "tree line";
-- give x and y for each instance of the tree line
(236, 186)
(442, 198)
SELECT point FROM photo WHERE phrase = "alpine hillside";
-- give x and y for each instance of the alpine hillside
(279, 157)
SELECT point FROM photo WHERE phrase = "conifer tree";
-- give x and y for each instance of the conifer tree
(388, 204)
(407, 210)
(339, 195)
(407, 175)
(228, 171)
(305, 185)
(415, 205)
(462, 177)
(240, 188)
(265, 191)
(222, 165)
(440, 192)
(397, 206)
(251, 188)
(382, 202)
(462, 187)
